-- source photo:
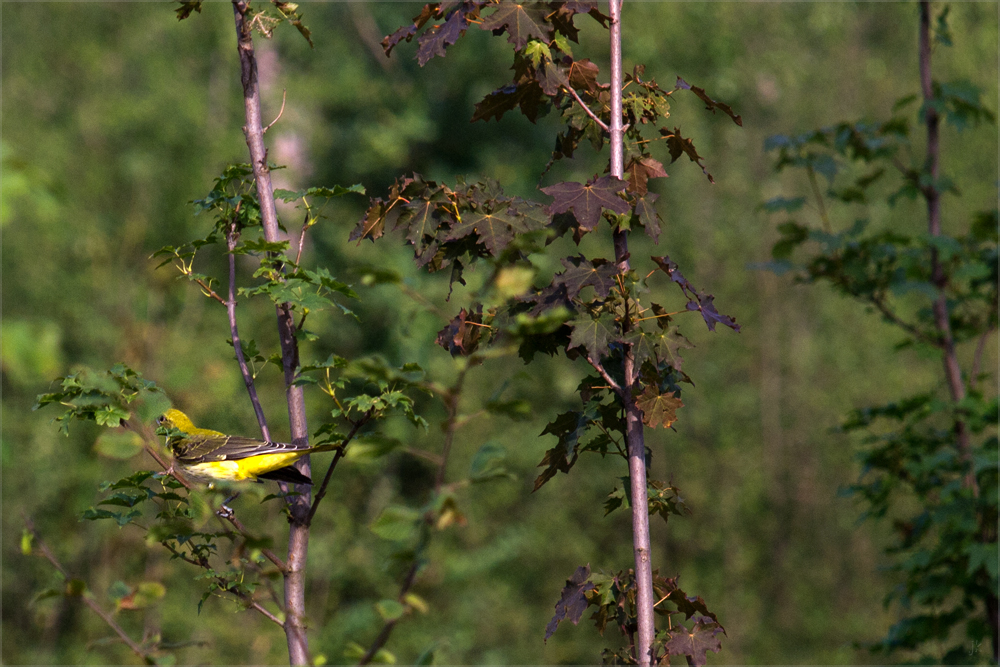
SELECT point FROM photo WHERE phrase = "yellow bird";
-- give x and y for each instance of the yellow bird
(210, 456)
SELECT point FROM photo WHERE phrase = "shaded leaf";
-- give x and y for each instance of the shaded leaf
(587, 200)
(658, 409)
(573, 601)
(710, 104)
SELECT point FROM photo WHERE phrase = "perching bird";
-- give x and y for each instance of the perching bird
(210, 456)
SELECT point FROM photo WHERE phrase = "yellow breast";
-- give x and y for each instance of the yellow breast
(242, 469)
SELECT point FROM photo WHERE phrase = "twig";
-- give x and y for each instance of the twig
(270, 555)
(977, 357)
(283, 91)
(87, 600)
(878, 302)
(302, 237)
(208, 291)
(336, 459)
(232, 235)
(223, 584)
(587, 109)
(819, 199)
(450, 398)
(604, 374)
(268, 615)
(383, 636)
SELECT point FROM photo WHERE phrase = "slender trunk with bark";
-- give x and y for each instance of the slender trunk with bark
(298, 537)
(633, 416)
(952, 370)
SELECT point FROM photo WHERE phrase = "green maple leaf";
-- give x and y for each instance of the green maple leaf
(592, 334)
(587, 200)
(521, 21)
(658, 409)
(493, 229)
(650, 220)
(580, 272)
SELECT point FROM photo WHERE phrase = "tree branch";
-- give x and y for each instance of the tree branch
(952, 370)
(336, 459)
(911, 329)
(587, 109)
(232, 235)
(633, 416)
(283, 91)
(604, 374)
(387, 629)
(977, 358)
(298, 506)
(85, 595)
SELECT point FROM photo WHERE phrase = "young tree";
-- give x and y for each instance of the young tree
(930, 461)
(594, 310)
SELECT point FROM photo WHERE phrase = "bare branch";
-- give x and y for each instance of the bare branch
(889, 314)
(977, 357)
(268, 615)
(365, 418)
(387, 629)
(283, 91)
(302, 238)
(586, 108)
(85, 595)
(604, 374)
(232, 235)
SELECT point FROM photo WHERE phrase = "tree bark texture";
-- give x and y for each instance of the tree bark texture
(298, 537)
(633, 416)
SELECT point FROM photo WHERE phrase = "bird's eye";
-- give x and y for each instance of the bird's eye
(161, 419)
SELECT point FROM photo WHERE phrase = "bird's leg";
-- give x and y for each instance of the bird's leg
(225, 511)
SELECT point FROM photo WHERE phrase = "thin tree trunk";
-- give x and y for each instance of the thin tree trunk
(633, 416)
(298, 537)
(953, 372)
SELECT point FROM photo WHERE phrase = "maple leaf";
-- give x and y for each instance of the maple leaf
(587, 200)
(439, 37)
(658, 409)
(581, 272)
(567, 427)
(640, 170)
(662, 345)
(698, 299)
(527, 96)
(582, 75)
(649, 218)
(527, 216)
(573, 601)
(593, 334)
(552, 78)
(695, 643)
(689, 605)
(493, 229)
(710, 104)
(407, 32)
(521, 21)
(678, 145)
(461, 336)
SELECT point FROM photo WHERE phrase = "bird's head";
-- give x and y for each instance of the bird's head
(175, 419)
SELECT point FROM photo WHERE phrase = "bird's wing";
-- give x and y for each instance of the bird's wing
(204, 448)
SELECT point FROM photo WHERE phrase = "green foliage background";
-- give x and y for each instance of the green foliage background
(116, 115)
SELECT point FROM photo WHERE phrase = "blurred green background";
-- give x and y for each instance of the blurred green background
(115, 115)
